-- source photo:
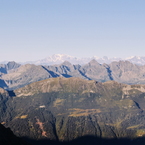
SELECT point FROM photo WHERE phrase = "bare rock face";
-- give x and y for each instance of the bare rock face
(12, 65)
(126, 72)
(95, 71)
(66, 69)
(24, 75)
(5, 68)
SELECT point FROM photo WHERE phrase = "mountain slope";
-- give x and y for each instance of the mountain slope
(24, 75)
(95, 71)
(68, 108)
(8, 138)
(5, 68)
(126, 72)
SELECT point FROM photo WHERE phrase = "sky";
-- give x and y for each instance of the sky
(35, 29)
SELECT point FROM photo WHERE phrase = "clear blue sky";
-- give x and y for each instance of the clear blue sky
(35, 29)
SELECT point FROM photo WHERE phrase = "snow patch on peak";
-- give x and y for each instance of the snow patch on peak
(131, 57)
(60, 58)
(96, 57)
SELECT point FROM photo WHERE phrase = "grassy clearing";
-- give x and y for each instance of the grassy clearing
(133, 127)
(58, 102)
(23, 116)
(75, 112)
(140, 132)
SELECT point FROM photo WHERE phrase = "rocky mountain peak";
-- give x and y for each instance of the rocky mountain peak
(66, 63)
(12, 65)
(93, 62)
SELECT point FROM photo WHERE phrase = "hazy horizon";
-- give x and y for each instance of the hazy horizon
(60, 58)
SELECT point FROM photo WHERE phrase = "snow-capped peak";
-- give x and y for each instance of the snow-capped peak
(129, 57)
(60, 58)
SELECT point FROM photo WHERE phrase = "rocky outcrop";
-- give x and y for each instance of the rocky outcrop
(5, 68)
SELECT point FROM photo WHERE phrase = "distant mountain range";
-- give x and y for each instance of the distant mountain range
(14, 75)
(59, 58)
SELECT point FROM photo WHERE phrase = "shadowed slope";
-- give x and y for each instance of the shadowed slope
(8, 138)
